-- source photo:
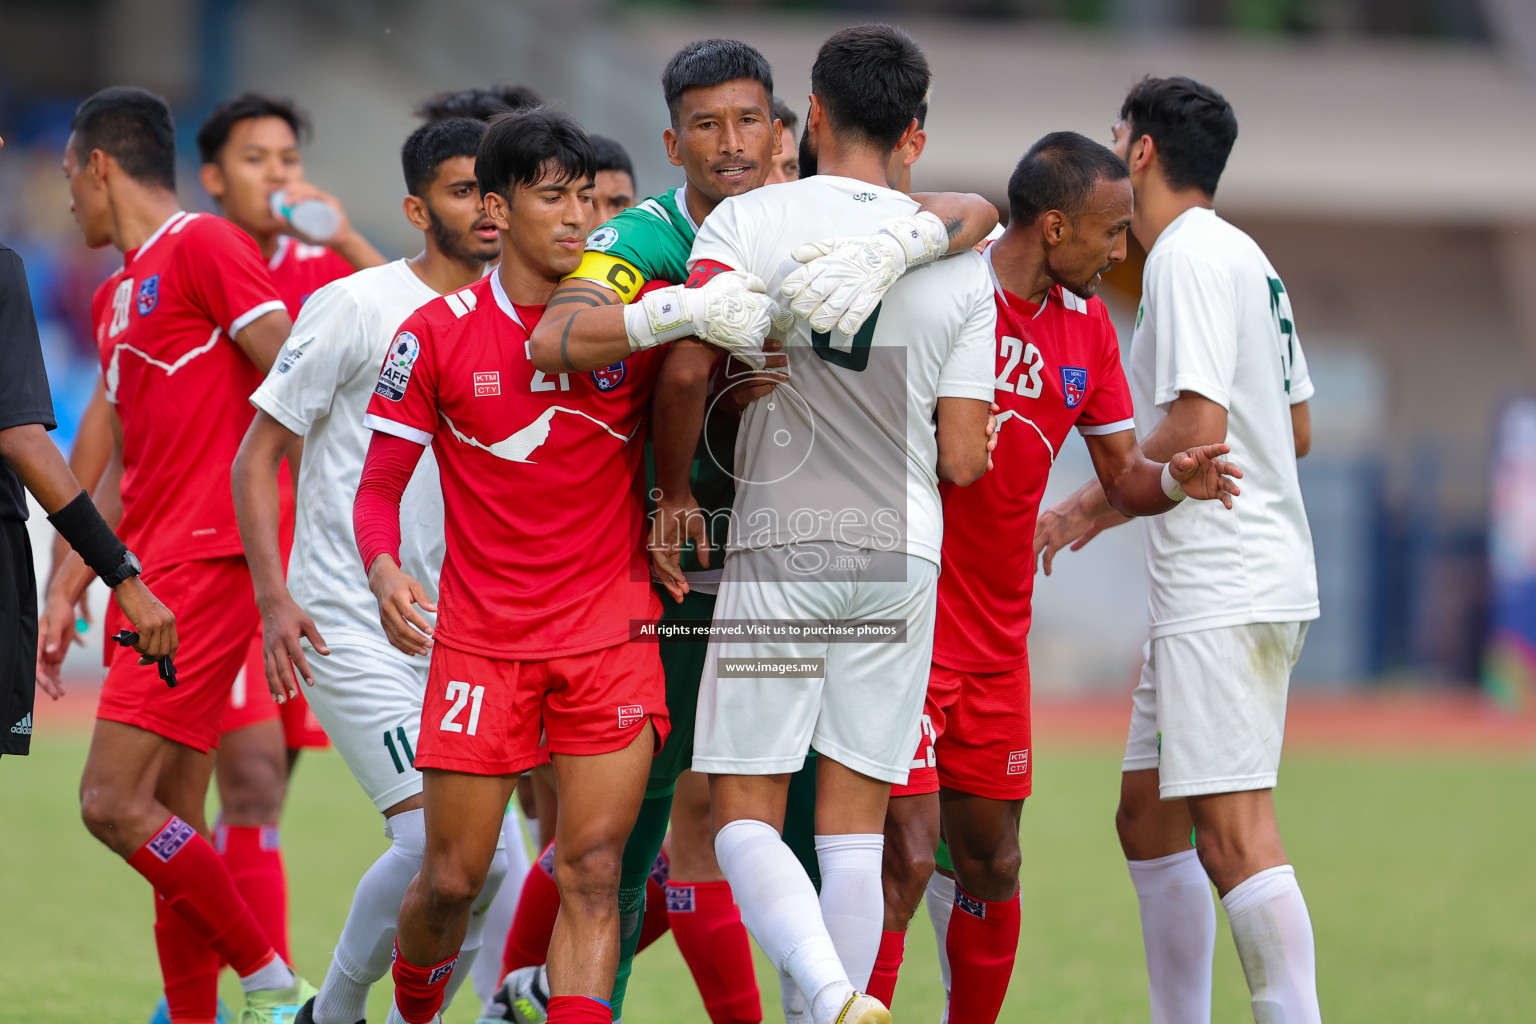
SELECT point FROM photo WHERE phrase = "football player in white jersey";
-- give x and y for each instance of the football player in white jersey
(837, 518)
(1215, 357)
(366, 694)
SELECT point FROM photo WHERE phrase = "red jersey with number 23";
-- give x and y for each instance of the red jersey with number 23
(542, 498)
(1058, 367)
(165, 327)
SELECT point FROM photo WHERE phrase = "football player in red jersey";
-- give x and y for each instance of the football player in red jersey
(1058, 367)
(186, 330)
(544, 574)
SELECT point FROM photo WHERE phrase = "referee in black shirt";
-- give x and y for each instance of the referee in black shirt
(29, 458)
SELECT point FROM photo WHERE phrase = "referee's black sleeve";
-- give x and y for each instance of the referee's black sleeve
(24, 395)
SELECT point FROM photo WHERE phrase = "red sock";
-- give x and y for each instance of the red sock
(983, 942)
(656, 921)
(534, 921)
(189, 967)
(579, 1010)
(882, 981)
(193, 881)
(419, 990)
(710, 935)
(255, 861)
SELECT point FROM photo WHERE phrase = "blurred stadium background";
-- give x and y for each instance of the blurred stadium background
(1385, 163)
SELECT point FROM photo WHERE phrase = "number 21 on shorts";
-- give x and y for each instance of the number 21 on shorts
(461, 694)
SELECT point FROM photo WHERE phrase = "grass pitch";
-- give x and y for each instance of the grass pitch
(1418, 871)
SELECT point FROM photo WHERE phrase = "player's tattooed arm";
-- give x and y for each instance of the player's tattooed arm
(582, 329)
(677, 419)
(968, 218)
(283, 622)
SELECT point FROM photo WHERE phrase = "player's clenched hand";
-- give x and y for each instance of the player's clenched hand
(844, 279)
(398, 596)
(675, 523)
(1202, 473)
(300, 191)
(737, 385)
(55, 629)
(152, 620)
(283, 625)
(731, 310)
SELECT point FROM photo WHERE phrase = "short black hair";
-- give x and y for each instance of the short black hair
(214, 133)
(427, 147)
(481, 104)
(711, 62)
(1059, 173)
(134, 127)
(611, 156)
(788, 117)
(1193, 125)
(873, 80)
(517, 146)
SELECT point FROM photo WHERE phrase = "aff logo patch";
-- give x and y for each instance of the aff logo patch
(609, 377)
(1074, 385)
(292, 356)
(603, 238)
(970, 904)
(679, 899)
(170, 839)
(631, 715)
(487, 383)
(149, 295)
(397, 366)
(1018, 762)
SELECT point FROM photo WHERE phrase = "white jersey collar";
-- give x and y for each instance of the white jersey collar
(504, 302)
(997, 285)
(170, 222)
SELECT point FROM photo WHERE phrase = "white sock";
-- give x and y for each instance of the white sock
(1273, 932)
(276, 976)
(474, 935)
(791, 1000)
(367, 940)
(852, 900)
(940, 898)
(779, 907)
(498, 919)
(1178, 930)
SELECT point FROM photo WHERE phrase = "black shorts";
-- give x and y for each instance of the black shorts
(18, 638)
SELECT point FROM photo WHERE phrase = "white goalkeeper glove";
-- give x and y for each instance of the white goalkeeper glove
(844, 279)
(732, 311)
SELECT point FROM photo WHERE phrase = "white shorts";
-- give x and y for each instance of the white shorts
(863, 711)
(1209, 711)
(368, 697)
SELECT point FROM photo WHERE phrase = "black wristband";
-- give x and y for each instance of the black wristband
(81, 524)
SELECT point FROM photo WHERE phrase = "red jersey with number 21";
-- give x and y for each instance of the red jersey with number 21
(165, 327)
(542, 498)
(1058, 367)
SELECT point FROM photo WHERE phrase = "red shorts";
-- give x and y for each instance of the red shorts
(487, 716)
(216, 621)
(251, 703)
(976, 735)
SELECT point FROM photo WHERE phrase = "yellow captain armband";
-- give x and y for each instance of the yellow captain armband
(611, 272)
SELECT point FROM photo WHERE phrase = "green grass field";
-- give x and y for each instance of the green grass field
(1419, 871)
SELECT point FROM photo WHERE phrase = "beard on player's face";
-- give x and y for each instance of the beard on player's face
(458, 241)
(807, 152)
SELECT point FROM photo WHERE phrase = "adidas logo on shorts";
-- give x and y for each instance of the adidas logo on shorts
(23, 727)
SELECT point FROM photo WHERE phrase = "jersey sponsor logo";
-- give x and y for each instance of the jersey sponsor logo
(170, 839)
(149, 295)
(603, 238)
(679, 899)
(970, 904)
(609, 377)
(865, 197)
(292, 356)
(1018, 762)
(487, 383)
(1074, 385)
(631, 715)
(397, 366)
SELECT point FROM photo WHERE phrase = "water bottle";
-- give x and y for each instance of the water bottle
(313, 218)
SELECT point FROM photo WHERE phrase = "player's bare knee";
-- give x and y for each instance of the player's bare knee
(590, 871)
(991, 875)
(452, 886)
(904, 877)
